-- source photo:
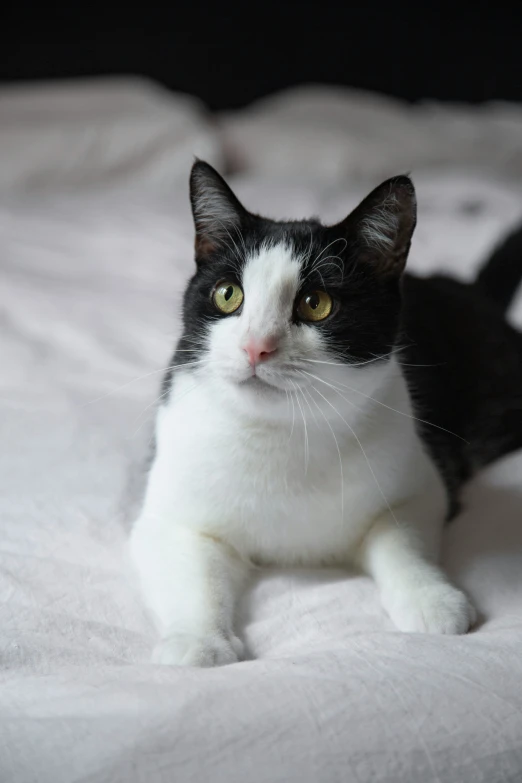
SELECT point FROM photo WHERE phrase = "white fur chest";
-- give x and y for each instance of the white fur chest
(272, 490)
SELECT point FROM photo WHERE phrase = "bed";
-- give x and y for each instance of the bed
(95, 246)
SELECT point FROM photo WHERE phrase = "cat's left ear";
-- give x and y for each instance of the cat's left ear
(380, 229)
(217, 212)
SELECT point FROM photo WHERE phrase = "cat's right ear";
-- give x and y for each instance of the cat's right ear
(381, 227)
(216, 210)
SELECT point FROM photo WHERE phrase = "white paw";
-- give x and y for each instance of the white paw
(216, 649)
(434, 608)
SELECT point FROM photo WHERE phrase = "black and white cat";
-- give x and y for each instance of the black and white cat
(321, 408)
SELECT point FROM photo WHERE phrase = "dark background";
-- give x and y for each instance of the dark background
(231, 53)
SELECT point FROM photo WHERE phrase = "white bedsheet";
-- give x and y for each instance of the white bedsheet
(90, 279)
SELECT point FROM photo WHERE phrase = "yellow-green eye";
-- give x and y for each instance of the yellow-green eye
(315, 306)
(228, 297)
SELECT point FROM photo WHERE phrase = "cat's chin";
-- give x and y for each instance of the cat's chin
(259, 386)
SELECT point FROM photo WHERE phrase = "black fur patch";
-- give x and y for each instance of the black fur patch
(472, 385)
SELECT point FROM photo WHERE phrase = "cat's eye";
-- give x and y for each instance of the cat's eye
(315, 306)
(227, 297)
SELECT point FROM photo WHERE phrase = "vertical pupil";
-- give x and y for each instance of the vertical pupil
(229, 290)
(313, 301)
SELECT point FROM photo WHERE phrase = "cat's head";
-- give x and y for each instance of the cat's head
(273, 304)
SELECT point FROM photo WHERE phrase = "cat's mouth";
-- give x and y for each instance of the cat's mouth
(255, 383)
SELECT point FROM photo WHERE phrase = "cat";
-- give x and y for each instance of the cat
(322, 407)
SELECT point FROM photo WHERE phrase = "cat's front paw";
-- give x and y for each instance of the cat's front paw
(216, 649)
(439, 608)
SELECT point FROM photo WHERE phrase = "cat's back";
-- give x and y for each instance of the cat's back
(463, 364)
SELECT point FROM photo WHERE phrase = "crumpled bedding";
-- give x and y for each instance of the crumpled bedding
(92, 266)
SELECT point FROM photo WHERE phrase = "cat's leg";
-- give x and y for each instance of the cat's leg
(415, 592)
(190, 581)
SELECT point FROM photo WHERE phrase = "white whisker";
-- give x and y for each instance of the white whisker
(332, 386)
(310, 246)
(363, 452)
(156, 400)
(348, 364)
(305, 428)
(338, 451)
(318, 258)
(401, 413)
(306, 394)
(293, 417)
(141, 377)
(326, 262)
(174, 399)
(242, 240)
(238, 254)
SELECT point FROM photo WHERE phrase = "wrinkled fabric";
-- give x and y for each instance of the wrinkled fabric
(90, 283)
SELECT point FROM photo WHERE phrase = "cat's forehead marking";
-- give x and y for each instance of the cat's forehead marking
(273, 270)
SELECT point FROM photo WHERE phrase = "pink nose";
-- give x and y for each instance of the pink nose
(259, 350)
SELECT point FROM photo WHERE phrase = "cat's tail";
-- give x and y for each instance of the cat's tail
(501, 274)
